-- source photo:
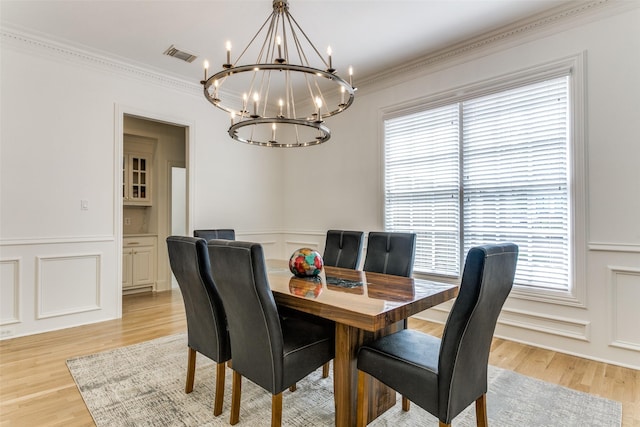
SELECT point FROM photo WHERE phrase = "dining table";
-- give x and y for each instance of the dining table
(364, 307)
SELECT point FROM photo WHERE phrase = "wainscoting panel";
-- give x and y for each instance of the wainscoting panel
(9, 291)
(554, 325)
(625, 295)
(68, 284)
(270, 241)
(291, 246)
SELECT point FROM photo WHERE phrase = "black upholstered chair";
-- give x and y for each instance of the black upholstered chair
(343, 248)
(206, 319)
(271, 351)
(223, 233)
(390, 253)
(444, 376)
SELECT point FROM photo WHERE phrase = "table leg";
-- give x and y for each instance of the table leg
(345, 377)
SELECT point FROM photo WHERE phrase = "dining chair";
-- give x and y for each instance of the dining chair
(390, 253)
(206, 319)
(343, 248)
(444, 376)
(271, 351)
(222, 233)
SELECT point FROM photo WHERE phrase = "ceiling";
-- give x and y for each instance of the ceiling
(372, 36)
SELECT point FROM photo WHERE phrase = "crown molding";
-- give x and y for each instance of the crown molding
(555, 20)
(19, 40)
(552, 21)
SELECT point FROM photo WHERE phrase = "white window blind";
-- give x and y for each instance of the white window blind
(485, 170)
(422, 185)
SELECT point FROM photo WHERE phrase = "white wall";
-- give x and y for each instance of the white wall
(61, 139)
(346, 176)
(59, 265)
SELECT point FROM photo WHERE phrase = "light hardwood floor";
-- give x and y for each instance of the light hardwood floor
(36, 388)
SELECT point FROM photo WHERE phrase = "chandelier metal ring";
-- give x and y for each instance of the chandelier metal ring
(223, 74)
(323, 136)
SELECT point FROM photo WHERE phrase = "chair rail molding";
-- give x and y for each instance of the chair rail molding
(614, 247)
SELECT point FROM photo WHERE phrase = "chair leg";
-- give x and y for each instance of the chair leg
(236, 390)
(406, 404)
(441, 424)
(191, 370)
(362, 411)
(481, 411)
(219, 398)
(325, 370)
(276, 410)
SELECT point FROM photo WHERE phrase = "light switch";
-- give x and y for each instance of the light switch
(84, 205)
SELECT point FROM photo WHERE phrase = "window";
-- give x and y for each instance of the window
(492, 166)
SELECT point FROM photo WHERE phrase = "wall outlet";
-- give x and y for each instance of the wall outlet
(84, 205)
(127, 221)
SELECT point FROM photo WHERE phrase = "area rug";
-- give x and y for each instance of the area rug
(143, 385)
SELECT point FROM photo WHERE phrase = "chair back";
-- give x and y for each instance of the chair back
(464, 352)
(390, 253)
(343, 248)
(240, 273)
(222, 233)
(206, 319)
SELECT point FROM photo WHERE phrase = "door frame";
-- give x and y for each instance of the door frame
(120, 111)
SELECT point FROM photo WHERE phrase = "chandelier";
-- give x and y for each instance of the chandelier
(281, 99)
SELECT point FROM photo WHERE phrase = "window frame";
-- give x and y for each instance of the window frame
(575, 67)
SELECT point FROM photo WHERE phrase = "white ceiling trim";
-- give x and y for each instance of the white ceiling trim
(21, 40)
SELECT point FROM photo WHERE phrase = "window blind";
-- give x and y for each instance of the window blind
(422, 185)
(515, 178)
(484, 170)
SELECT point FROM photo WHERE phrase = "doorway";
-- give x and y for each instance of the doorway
(168, 211)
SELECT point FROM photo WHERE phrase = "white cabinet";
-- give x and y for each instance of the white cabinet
(139, 262)
(136, 179)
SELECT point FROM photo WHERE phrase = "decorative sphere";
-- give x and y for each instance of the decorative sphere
(305, 262)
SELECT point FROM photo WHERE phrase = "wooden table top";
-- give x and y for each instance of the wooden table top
(369, 301)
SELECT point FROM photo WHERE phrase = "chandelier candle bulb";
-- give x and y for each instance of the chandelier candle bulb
(244, 104)
(281, 103)
(329, 53)
(351, 76)
(273, 132)
(279, 42)
(256, 98)
(233, 116)
(319, 104)
(228, 52)
(206, 67)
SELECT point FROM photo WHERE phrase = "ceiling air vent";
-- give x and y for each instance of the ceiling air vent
(180, 54)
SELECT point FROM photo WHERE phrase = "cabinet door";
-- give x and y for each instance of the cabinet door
(143, 265)
(127, 268)
(137, 179)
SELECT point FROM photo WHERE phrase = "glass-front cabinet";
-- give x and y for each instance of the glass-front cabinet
(136, 179)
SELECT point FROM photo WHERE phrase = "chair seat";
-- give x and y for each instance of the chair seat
(406, 360)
